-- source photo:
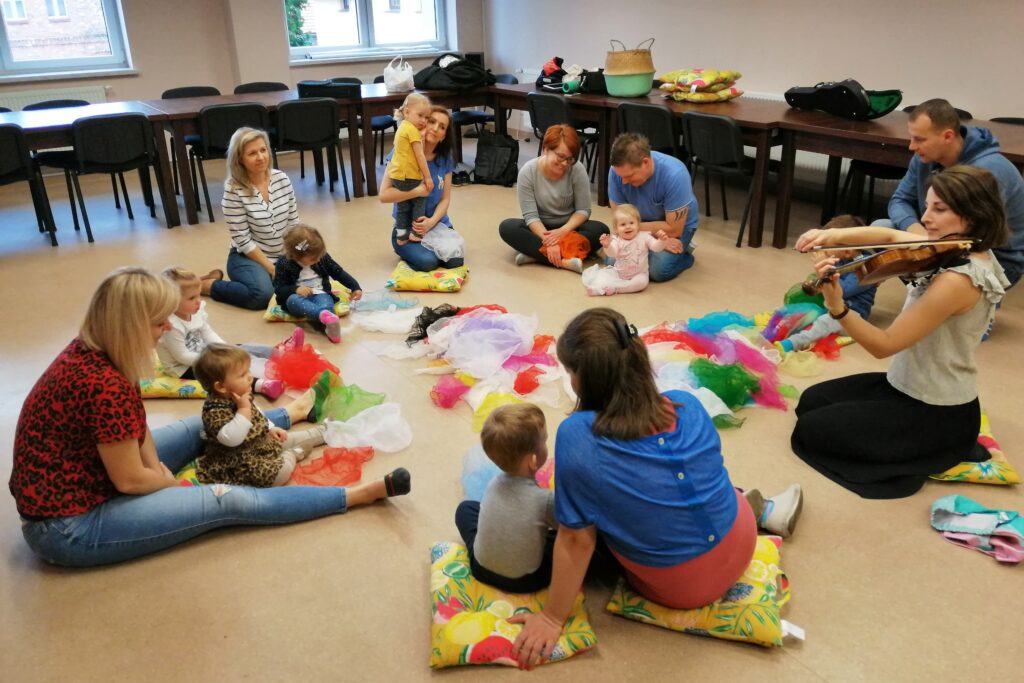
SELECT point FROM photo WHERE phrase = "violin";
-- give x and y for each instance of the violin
(903, 259)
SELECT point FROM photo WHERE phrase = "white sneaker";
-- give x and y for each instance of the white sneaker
(782, 510)
(574, 264)
(523, 259)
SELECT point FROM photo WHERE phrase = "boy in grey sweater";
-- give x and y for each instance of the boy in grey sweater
(508, 532)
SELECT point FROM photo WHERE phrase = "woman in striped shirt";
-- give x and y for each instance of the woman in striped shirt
(259, 208)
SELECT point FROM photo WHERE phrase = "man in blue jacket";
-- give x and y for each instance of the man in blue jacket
(939, 141)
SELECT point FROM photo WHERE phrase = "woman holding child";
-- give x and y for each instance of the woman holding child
(881, 434)
(259, 208)
(94, 485)
(554, 197)
(437, 148)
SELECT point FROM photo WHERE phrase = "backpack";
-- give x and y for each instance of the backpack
(452, 72)
(497, 159)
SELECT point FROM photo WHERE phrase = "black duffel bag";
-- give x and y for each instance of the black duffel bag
(452, 72)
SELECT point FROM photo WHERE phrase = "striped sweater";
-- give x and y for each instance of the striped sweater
(255, 223)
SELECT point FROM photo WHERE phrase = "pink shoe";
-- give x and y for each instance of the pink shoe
(272, 388)
(332, 326)
(296, 341)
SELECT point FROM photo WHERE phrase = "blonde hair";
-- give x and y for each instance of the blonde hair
(238, 177)
(511, 433)
(302, 241)
(120, 317)
(183, 277)
(413, 99)
(627, 210)
(215, 361)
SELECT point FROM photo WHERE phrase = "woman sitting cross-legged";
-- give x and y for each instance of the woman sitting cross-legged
(554, 196)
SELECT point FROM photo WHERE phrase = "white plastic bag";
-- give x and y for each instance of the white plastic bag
(382, 427)
(445, 243)
(398, 77)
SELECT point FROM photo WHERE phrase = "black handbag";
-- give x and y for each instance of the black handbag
(592, 83)
(847, 99)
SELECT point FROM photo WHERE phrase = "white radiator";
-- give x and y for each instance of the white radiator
(18, 99)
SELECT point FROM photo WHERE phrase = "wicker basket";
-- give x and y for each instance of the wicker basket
(629, 62)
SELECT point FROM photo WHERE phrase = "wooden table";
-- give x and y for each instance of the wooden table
(181, 118)
(883, 140)
(50, 128)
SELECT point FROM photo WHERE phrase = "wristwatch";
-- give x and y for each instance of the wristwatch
(841, 314)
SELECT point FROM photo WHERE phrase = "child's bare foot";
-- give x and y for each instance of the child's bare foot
(413, 237)
(301, 409)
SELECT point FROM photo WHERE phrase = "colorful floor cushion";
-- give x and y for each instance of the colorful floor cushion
(749, 612)
(996, 470)
(276, 313)
(470, 618)
(164, 385)
(405, 279)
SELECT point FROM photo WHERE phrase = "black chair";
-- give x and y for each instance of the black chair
(313, 124)
(859, 170)
(548, 109)
(260, 86)
(380, 124)
(179, 93)
(16, 164)
(477, 118)
(715, 143)
(113, 143)
(656, 123)
(217, 123)
(1015, 120)
(4, 110)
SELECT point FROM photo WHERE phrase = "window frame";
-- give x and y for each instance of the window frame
(16, 3)
(120, 59)
(55, 5)
(367, 49)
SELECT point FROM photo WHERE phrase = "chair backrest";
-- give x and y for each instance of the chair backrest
(654, 122)
(260, 86)
(4, 110)
(54, 104)
(378, 79)
(507, 79)
(218, 122)
(962, 113)
(348, 79)
(113, 142)
(189, 91)
(1016, 120)
(309, 122)
(15, 160)
(546, 110)
(716, 141)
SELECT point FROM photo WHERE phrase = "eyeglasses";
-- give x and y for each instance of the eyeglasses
(562, 157)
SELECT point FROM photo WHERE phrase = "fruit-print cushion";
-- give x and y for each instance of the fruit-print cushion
(996, 470)
(405, 279)
(276, 313)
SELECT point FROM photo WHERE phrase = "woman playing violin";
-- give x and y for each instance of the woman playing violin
(881, 434)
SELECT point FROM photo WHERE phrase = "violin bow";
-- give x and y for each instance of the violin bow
(964, 243)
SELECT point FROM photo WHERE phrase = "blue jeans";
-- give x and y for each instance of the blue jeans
(419, 257)
(249, 287)
(309, 307)
(409, 210)
(126, 527)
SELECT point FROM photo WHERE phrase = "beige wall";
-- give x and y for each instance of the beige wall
(226, 42)
(968, 53)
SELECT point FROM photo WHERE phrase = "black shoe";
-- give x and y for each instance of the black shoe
(398, 482)
(460, 178)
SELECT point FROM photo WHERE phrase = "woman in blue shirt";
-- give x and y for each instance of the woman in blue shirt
(437, 147)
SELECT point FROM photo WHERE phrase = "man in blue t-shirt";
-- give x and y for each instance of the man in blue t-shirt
(659, 186)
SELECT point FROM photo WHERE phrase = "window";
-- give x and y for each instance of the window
(90, 39)
(56, 9)
(318, 30)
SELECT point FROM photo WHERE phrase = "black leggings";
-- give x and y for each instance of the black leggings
(518, 235)
(878, 442)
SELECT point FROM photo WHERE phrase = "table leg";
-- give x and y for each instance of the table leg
(165, 182)
(758, 185)
(785, 191)
(604, 136)
(369, 154)
(184, 171)
(354, 155)
(500, 117)
(831, 199)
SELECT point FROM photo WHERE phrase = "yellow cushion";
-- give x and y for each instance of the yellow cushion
(749, 612)
(164, 385)
(405, 279)
(997, 470)
(470, 619)
(278, 314)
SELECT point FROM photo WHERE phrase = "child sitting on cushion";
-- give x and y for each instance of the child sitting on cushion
(180, 346)
(242, 447)
(302, 280)
(858, 297)
(506, 533)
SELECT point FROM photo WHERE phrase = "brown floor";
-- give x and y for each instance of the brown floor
(880, 594)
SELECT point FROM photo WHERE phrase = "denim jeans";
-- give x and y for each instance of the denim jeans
(309, 307)
(126, 527)
(409, 210)
(250, 285)
(419, 257)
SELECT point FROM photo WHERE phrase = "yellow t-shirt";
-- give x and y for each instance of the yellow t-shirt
(403, 165)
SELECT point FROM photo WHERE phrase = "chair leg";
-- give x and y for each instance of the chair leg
(197, 163)
(174, 168)
(707, 193)
(147, 190)
(331, 152)
(113, 184)
(206, 191)
(81, 203)
(871, 199)
(457, 152)
(302, 164)
(746, 213)
(344, 174)
(127, 201)
(36, 204)
(71, 198)
(725, 209)
(318, 166)
(44, 202)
